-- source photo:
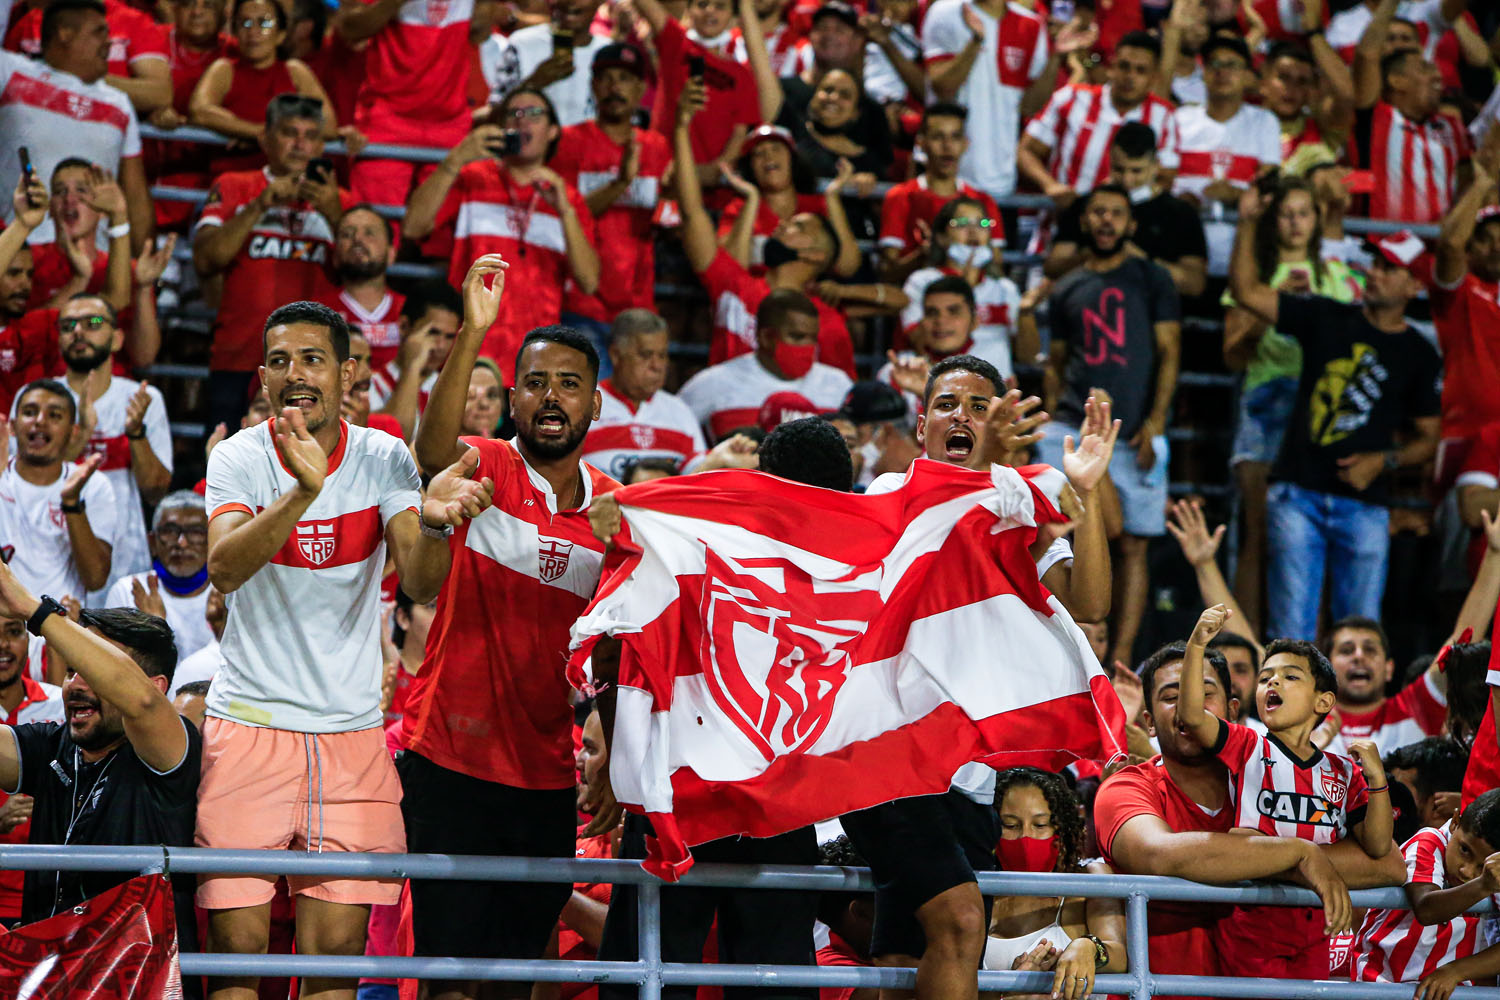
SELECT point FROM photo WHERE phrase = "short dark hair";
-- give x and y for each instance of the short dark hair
(1393, 63)
(199, 688)
(1135, 140)
(1171, 653)
(1062, 802)
(109, 309)
(1482, 818)
(649, 464)
(841, 853)
(1115, 189)
(1140, 40)
(1358, 623)
(1439, 762)
(1468, 695)
(1324, 679)
(312, 314)
(365, 206)
(1234, 43)
(811, 451)
(54, 14)
(567, 336)
(429, 295)
(1291, 50)
(289, 105)
(55, 388)
(1233, 640)
(951, 284)
(70, 163)
(963, 363)
(147, 638)
(505, 104)
(776, 307)
(944, 109)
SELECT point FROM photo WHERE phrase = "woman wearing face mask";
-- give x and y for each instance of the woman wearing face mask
(1288, 253)
(1041, 830)
(827, 136)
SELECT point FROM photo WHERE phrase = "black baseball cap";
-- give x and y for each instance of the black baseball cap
(839, 9)
(872, 402)
(615, 55)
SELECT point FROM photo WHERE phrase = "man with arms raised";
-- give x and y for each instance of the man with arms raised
(302, 509)
(488, 726)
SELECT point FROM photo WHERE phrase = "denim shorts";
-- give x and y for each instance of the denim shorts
(1265, 412)
(1143, 492)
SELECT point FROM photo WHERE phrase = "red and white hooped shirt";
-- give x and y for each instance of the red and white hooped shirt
(1080, 121)
(729, 395)
(1235, 151)
(661, 427)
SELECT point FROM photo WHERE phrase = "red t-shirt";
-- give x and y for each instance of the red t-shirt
(417, 66)
(1181, 933)
(735, 294)
(28, 351)
(491, 214)
(340, 69)
(132, 35)
(189, 65)
(285, 259)
(766, 221)
(38, 704)
(624, 235)
(838, 952)
(571, 947)
(381, 325)
(913, 201)
(732, 96)
(491, 698)
(1467, 317)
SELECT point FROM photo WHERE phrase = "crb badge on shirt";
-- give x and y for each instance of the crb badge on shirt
(552, 558)
(316, 542)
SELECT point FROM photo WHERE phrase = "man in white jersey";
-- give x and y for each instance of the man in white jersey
(637, 417)
(1360, 654)
(176, 586)
(302, 509)
(130, 435)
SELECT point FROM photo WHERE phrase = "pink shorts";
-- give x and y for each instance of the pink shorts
(270, 789)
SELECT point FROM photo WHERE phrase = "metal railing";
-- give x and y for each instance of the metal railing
(650, 973)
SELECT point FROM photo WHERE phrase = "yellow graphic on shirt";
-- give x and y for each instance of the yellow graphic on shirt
(1345, 394)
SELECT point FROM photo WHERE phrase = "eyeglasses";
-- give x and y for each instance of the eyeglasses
(263, 23)
(521, 114)
(171, 533)
(960, 221)
(1222, 65)
(70, 323)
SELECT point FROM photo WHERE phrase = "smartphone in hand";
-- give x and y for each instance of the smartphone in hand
(696, 66)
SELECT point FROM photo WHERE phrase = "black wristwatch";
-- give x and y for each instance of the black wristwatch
(1101, 953)
(45, 610)
(73, 508)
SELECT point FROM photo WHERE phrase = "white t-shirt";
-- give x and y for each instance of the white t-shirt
(506, 62)
(1347, 27)
(661, 427)
(185, 614)
(1234, 151)
(302, 643)
(32, 521)
(999, 304)
(203, 665)
(1014, 56)
(55, 115)
(132, 552)
(729, 394)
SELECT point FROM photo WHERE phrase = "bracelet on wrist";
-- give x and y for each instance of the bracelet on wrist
(138, 435)
(116, 232)
(1382, 788)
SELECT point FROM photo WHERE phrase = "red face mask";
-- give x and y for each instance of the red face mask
(1028, 854)
(795, 360)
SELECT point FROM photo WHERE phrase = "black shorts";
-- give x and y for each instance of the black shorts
(917, 849)
(756, 926)
(451, 813)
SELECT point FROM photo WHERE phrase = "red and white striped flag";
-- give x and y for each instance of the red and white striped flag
(789, 653)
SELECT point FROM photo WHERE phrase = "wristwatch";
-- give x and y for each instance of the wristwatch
(1392, 461)
(1101, 952)
(45, 610)
(431, 532)
(73, 508)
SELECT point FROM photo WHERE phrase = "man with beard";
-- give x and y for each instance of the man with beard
(57, 519)
(131, 434)
(638, 419)
(1359, 652)
(302, 510)
(22, 699)
(488, 764)
(1115, 327)
(363, 249)
(175, 588)
(1171, 816)
(122, 770)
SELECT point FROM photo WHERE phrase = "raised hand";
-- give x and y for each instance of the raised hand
(17, 810)
(909, 372)
(104, 195)
(1186, 524)
(1074, 37)
(1013, 426)
(152, 262)
(605, 518)
(692, 99)
(135, 411)
(481, 301)
(148, 598)
(1210, 624)
(1368, 756)
(15, 600)
(454, 494)
(738, 452)
(1086, 465)
(73, 488)
(30, 201)
(740, 186)
(973, 22)
(300, 451)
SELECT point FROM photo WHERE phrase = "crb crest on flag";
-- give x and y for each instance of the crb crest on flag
(789, 654)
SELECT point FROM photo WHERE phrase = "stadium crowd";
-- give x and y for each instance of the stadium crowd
(309, 445)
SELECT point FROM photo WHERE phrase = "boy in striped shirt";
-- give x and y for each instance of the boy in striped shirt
(1284, 786)
(1435, 943)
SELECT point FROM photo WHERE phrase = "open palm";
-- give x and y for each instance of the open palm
(1086, 463)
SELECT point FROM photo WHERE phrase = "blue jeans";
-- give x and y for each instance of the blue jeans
(1309, 534)
(598, 333)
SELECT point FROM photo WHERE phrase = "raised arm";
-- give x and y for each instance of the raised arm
(29, 205)
(698, 239)
(1431, 905)
(427, 200)
(767, 86)
(1186, 524)
(583, 259)
(1479, 605)
(1458, 225)
(1203, 725)
(1245, 283)
(1367, 82)
(949, 75)
(850, 257)
(1088, 584)
(1374, 831)
(206, 106)
(437, 445)
(423, 557)
(91, 553)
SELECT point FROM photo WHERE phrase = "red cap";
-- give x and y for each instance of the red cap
(780, 407)
(773, 132)
(1406, 249)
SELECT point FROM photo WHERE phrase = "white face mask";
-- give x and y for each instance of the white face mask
(963, 256)
(1143, 193)
(717, 42)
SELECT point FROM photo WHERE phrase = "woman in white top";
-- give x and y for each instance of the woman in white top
(1041, 829)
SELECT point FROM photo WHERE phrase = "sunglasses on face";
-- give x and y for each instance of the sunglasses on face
(522, 114)
(70, 323)
(961, 221)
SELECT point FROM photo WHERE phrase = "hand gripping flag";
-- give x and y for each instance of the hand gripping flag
(789, 653)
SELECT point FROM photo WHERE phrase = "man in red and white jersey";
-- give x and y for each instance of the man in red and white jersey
(269, 233)
(131, 434)
(1448, 869)
(414, 87)
(137, 52)
(28, 337)
(554, 57)
(728, 395)
(497, 191)
(910, 207)
(637, 417)
(1414, 150)
(1424, 24)
(22, 700)
(60, 106)
(1311, 93)
(796, 255)
(1466, 312)
(363, 249)
(302, 511)
(1065, 151)
(488, 729)
(995, 60)
(429, 321)
(1360, 654)
(787, 47)
(1225, 144)
(619, 170)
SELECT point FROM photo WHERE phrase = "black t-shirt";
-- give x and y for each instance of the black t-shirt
(1359, 385)
(119, 800)
(1108, 321)
(870, 129)
(1166, 228)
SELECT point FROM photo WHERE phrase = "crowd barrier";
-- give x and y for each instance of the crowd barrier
(650, 973)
